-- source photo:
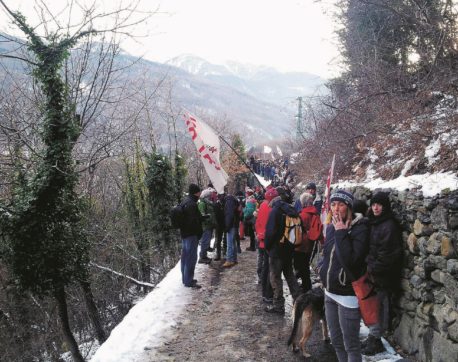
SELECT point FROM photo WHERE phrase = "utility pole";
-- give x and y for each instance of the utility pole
(299, 125)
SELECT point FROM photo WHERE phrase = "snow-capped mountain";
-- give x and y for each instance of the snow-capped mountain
(264, 83)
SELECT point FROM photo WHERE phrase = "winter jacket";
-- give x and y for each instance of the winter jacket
(385, 251)
(353, 245)
(219, 214)
(231, 213)
(261, 222)
(249, 209)
(275, 228)
(306, 216)
(192, 220)
(207, 207)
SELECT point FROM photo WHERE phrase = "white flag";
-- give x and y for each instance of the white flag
(208, 147)
(267, 149)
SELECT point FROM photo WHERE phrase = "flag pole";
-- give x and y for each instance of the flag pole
(241, 159)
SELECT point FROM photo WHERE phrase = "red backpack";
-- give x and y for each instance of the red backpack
(315, 229)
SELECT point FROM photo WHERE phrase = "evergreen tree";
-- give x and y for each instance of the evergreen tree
(159, 182)
(179, 176)
(47, 246)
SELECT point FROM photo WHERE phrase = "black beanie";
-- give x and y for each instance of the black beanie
(383, 199)
(193, 189)
(311, 186)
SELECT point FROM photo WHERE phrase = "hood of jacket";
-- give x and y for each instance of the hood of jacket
(285, 208)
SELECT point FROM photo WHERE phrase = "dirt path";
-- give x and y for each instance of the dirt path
(227, 322)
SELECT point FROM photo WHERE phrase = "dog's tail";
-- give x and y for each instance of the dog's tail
(297, 317)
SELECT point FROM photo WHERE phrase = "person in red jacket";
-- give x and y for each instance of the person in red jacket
(303, 252)
(263, 256)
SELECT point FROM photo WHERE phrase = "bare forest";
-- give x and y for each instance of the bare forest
(93, 156)
(397, 91)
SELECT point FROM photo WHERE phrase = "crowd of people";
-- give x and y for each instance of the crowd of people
(287, 234)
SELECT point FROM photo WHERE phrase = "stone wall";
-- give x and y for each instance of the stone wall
(426, 312)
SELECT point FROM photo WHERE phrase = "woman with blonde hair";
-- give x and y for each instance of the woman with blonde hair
(345, 250)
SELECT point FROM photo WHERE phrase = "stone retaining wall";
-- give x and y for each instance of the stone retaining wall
(426, 312)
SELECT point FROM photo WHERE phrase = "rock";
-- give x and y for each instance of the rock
(452, 267)
(416, 281)
(434, 244)
(439, 218)
(420, 228)
(438, 276)
(436, 262)
(420, 271)
(412, 243)
(439, 296)
(451, 288)
(452, 203)
(430, 203)
(453, 220)
(436, 347)
(453, 332)
(447, 249)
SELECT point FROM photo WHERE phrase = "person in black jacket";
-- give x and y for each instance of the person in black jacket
(344, 253)
(280, 254)
(383, 265)
(231, 221)
(220, 234)
(191, 232)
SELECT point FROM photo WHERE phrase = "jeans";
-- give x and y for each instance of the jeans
(231, 254)
(205, 243)
(259, 263)
(267, 291)
(384, 314)
(188, 259)
(278, 266)
(344, 326)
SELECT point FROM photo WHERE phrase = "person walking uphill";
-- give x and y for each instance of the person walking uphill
(191, 232)
(207, 209)
(345, 249)
(280, 253)
(383, 265)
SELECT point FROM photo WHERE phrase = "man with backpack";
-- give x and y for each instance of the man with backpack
(283, 231)
(313, 231)
(191, 232)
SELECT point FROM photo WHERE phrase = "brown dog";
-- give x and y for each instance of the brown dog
(308, 308)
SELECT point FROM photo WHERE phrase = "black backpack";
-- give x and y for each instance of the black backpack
(177, 216)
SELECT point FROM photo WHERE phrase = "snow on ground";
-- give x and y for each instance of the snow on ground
(149, 322)
(430, 184)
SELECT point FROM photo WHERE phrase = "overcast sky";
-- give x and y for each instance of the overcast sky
(290, 35)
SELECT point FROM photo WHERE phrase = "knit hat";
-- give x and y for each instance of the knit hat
(271, 194)
(306, 199)
(343, 196)
(383, 199)
(311, 186)
(193, 189)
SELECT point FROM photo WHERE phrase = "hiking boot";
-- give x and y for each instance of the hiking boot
(275, 309)
(250, 249)
(218, 258)
(267, 300)
(205, 260)
(228, 264)
(372, 346)
(210, 249)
